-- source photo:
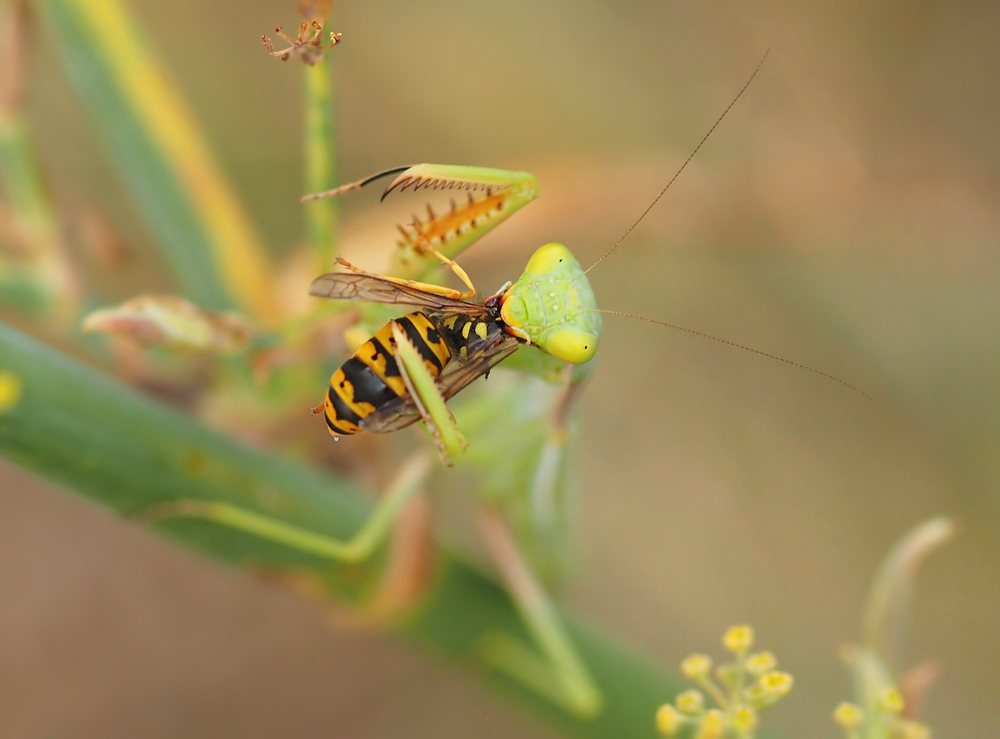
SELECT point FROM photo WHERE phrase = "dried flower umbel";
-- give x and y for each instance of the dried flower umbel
(310, 47)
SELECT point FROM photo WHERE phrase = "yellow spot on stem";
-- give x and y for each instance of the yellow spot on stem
(11, 390)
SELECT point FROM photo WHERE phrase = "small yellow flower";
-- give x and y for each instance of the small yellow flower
(691, 702)
(848, 715)
(696, 666)
(892, 700)
(777, 684)
(745, 719)
(712, 726)
(761, 662)
(668, 721)
(738, 638)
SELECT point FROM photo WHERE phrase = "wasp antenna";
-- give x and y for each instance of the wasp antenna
(729, 343)
(686, 162)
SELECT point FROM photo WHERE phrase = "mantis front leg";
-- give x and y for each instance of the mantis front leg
(358, 548)
(440, 237)
(431, 406)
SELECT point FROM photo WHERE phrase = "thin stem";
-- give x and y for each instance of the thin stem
(320, 160)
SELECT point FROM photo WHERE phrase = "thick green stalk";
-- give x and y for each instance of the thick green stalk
(84, 430)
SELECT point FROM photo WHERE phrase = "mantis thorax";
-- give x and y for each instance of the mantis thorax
(552, 306)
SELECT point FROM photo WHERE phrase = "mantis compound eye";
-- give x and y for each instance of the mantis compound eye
(572, 345)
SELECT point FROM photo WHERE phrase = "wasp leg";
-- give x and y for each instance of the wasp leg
(558, 674)
(358, 548)
(428, 400)
(423, 247)
(447, 292)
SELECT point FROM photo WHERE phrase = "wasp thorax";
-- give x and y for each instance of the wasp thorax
(553, 306)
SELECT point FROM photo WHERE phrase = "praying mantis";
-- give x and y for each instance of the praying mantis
(546, 324)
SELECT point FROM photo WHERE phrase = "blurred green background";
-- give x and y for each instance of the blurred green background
(845, 215)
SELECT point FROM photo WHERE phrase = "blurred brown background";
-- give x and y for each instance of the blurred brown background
(845, 215)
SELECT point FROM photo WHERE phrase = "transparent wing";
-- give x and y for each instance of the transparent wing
(374, 289)
(401, 412)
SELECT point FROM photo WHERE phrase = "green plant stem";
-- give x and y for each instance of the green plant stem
(320, 161)
(44, 269)
(84, 430)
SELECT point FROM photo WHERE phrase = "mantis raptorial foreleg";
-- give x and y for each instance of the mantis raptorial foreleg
(358, 548)
(428, 400)
(503, 192)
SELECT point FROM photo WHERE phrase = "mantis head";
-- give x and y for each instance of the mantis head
(552, 306)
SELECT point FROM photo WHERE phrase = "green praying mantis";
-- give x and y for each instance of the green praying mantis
(545, 324)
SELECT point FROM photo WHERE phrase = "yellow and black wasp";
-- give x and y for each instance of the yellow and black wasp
(459, 341)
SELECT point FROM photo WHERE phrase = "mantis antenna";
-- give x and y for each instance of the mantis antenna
(650, 207)
(686, 162)
(703, 335)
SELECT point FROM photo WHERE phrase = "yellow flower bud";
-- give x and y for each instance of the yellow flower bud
(848, 716)
(696, 666)
(738, 638)
(712, 725)
(761, 662)
(745, 719)
(668, 721)
(691, 702)
(777, 684)
(892, 700)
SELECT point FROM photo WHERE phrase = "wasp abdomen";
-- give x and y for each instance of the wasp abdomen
(371, 378)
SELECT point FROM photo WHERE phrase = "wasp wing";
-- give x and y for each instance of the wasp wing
(458, 374)
(375, 289)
